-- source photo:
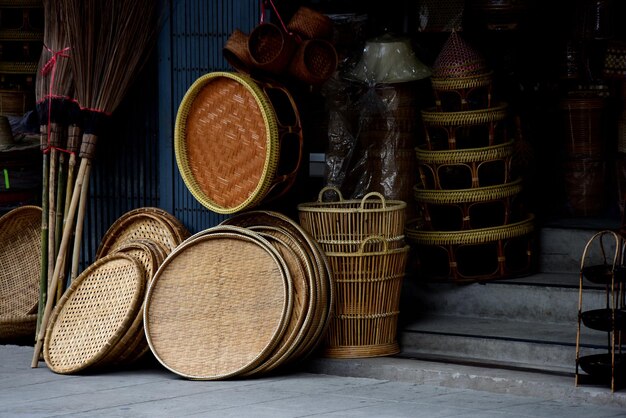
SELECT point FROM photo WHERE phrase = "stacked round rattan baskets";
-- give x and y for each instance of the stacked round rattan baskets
(98, 322)
(364, 242)
(240, 299)
(473, 225)
(20, 263)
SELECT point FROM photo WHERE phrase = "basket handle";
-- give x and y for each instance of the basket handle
(373, 238)
(373, 194)
(320, 196)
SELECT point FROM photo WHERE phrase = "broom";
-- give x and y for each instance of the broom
(110, 41)
(50, 112)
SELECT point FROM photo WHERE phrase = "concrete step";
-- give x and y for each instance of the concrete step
(549, 386)
(500, 342)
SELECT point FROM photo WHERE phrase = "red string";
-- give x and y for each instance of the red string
(50, 67)
(271, 3)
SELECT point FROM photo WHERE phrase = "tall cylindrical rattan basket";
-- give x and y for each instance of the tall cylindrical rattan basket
(369, 283)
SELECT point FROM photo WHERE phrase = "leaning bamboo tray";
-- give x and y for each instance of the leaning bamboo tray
(94, 313)
(228, 137)
(369, 283)
(473, 255)
(323, 286)
(341, 226)
(20, 261)
(218, 306)
(149, 223)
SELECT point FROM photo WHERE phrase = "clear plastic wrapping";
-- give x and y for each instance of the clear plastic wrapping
(374, 121)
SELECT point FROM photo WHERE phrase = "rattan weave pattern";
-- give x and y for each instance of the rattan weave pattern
(432, 117)
(302, 310)
(217, 306)
(20, 260)
(369, 284)
(325, 284)
(473, 236)
(340, 226)
(14, 327)
(94, 313)
(141, 224)
(460, 156)
(477, 194)
(447, 84)
(226, 141)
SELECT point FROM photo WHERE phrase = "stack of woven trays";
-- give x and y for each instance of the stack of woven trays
(472, 225)
(364, 243)
(98, 322)
(20, 263)
(241, 299)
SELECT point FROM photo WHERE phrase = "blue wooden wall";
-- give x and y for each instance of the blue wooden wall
(136, 165)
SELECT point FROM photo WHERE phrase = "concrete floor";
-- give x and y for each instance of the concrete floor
(150, 390)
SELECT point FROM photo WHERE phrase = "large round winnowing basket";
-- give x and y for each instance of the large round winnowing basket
(228, 139)
(218, 306)
(369, 283)
(20, 264)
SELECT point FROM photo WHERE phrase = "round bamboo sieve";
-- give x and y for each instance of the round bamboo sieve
(94, 313)
(218, 306)
(20, 261)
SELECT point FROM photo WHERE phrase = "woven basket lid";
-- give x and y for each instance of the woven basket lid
(148, 223)
(94, 313)
(322, 272)
(226, 142)
(458, 59)
(20, 260)
(217, 306)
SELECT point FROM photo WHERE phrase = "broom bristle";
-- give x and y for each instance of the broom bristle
(110, 42)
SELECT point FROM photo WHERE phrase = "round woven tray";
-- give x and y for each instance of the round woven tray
(147, 223)
(451, 83)
(94, 313)
(478, 194)
(461, 156)
(324, 285)
(20, 261)
(464, 118)
(217, 306)
(227, 142)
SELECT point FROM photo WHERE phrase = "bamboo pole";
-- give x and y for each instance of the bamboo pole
(43, 279)
(83, 170)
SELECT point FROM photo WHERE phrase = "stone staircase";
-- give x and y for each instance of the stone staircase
(527, 323)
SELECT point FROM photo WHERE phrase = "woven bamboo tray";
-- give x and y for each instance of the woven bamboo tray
(475, 255)
(237, 304)
(228, 139)
(465, 129)
(145, 223)
(466, 168)
(325, 288)
(481, 207)
(94, 313)
(133, 343)
(342, 225)
(369, 284)
(20, 261)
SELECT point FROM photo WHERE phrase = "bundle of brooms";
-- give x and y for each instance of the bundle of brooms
(54, 108)
(109, 41)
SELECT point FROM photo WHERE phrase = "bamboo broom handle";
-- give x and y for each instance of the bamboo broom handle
(52, 213)
(80, 220)
(84, 169)
(61, 180)
(43, 279)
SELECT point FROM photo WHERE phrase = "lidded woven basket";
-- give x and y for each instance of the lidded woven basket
(458, 59)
